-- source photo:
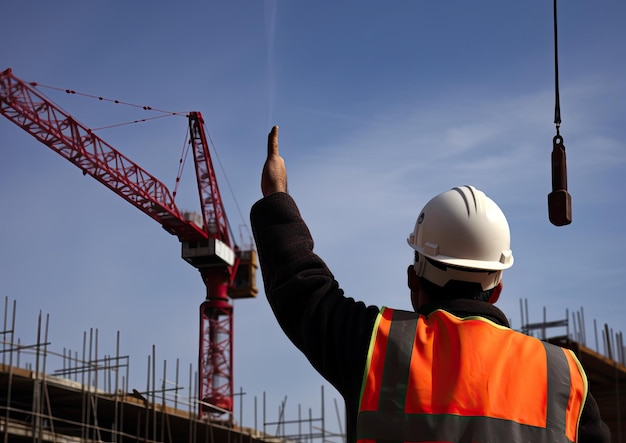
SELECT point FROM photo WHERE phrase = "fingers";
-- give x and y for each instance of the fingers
(274, 175)
(272, 142)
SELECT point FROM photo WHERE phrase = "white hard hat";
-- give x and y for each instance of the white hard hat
(467, 233)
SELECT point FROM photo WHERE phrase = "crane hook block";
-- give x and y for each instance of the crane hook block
(559, 200)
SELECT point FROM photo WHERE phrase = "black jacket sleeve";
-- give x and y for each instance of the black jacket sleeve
(333, 331)
(591, 428)
(329, 328)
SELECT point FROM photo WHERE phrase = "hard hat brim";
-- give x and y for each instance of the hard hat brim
(506, 260)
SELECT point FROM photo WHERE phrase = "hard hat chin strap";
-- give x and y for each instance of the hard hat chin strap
(441, 275)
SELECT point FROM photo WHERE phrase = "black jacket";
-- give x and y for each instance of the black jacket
(332, 330)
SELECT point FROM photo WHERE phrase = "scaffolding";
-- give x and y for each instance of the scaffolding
(87, 398)
(612, 341)
(303, 429)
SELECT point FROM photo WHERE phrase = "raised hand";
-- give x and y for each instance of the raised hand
(274, 176)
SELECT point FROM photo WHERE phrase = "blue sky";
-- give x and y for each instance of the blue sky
(381, 106)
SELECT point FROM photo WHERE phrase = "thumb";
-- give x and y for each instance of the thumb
(272, 142)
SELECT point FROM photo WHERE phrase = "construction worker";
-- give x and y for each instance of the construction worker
(452, 370)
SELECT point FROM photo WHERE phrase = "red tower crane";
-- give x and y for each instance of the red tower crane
(227, 271)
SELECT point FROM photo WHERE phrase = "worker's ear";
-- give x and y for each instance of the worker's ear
(418, 298)
(495, 295)
(412, 280)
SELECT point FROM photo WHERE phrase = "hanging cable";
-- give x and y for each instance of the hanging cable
(559, 200)
(557, 100)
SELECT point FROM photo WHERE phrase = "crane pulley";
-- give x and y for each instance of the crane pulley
(227, 270)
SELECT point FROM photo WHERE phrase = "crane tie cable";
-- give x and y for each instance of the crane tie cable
(100, 98)
(230, 188)
(131, 122)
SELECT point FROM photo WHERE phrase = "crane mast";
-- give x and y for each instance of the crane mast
(227, 271)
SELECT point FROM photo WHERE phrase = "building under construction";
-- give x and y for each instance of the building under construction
(47, 396)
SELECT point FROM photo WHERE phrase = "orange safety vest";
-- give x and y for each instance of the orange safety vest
(440, 378)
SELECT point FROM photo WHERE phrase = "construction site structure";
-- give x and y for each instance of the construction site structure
(227, 270)
(84, 396)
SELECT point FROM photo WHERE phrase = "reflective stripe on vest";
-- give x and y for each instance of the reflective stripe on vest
(443, 378)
